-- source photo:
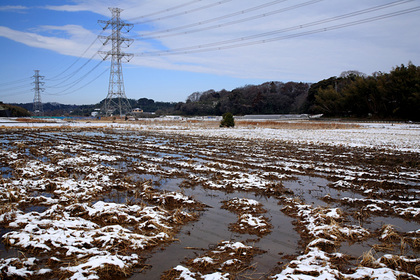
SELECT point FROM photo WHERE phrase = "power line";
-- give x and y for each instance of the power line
(85, 85)
(15, 81)
(55, 78)
(239, 42)
(151, 35)
(185, 12)
(166, 10)
(16, 87)
(72, 74)
(368, 10)
(74, 83)
(77, 60)
(16, 93)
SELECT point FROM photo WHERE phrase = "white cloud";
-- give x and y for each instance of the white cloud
(72, 45)
(94, 6)
(369, 47)
(377, 45)
(10, 8)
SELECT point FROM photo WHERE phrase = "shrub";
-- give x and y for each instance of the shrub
(227, 120)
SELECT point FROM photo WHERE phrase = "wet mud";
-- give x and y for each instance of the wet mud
(150, 205)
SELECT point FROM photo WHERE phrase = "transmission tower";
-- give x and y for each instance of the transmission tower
(38, 110)
(116, 98)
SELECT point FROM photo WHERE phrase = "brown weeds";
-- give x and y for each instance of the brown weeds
(294, 124)
(368, 260)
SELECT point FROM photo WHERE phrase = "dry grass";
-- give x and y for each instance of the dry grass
(178, 211)
(415, 243)
(230, 260)
(110, 271)
(294, 124)
(368, 260)
(244, 228)
(171, 274)
(300, 124)
(239, 206)
(401, 264)
(185, 123)
(383, 247)
(28, 120)
(388, 234)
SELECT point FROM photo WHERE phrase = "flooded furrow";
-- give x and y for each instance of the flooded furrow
(160, 200)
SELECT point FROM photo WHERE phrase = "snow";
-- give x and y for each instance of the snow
(234, 246)
(216, 276)
(186, 274)
(11, 270)
(315, 262)
(92, 264)
(393, 136)
(203, 260)
(55, 230)
(77, 222)
(252, 221)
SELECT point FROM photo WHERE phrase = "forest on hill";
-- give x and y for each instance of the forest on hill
(267, 98)
(7, 110)
(394, 95)
(57, 109)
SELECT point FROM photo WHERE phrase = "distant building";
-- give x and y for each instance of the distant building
(137, 111)
(95, 113)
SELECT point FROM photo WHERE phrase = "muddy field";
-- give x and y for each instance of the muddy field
(144, 201)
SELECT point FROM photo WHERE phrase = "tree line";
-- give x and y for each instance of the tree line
(267, 98)
(7, 110)
(57, 109)
(394, 95)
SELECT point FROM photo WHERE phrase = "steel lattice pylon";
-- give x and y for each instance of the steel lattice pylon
(116, 99)
(38, 108)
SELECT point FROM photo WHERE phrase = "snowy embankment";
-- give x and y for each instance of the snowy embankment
(402, 137)
(394, 136)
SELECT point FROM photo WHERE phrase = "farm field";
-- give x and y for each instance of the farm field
(185, 199)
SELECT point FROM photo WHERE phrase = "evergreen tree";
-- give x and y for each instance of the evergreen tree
(228, 120)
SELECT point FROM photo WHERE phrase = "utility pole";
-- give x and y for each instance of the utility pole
(116, 98)
(38, 110)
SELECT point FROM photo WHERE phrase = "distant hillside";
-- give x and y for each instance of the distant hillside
(7, 110)
(391, 96)
(267, 98)
(57, 109)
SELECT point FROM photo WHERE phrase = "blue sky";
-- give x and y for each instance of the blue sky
(298, 40)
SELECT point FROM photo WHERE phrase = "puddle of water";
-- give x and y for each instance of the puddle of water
(36, 208)
(212, 227)
(312, 189)
(376, 222)
(6, 172)
(209, 230)
(282, 241)
(309, 189)
(120, 197)
(7, 252)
